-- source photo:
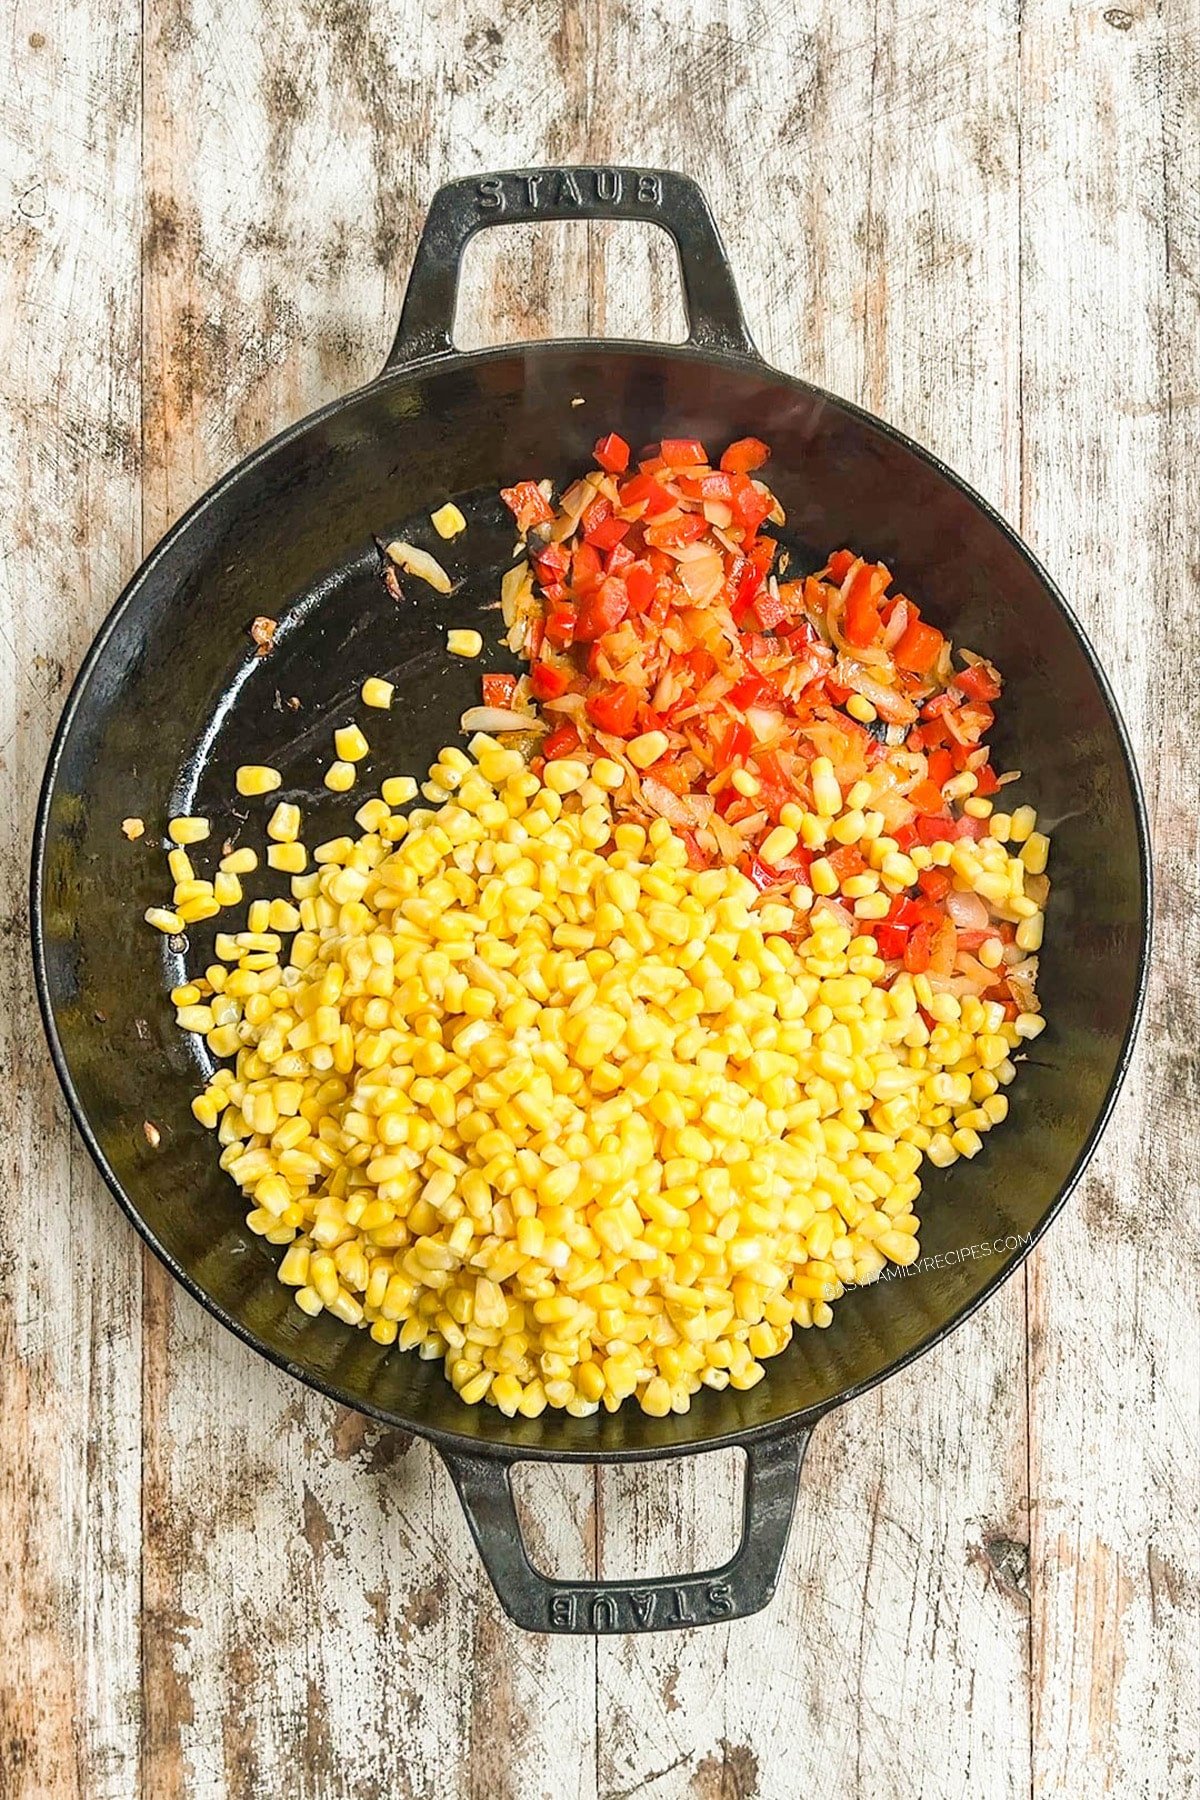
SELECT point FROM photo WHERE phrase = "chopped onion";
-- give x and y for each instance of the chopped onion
(499, 718)
(516, 587)
(703, 576)
(665, 802)
(967, 910)
(419, 563)
(887, 702)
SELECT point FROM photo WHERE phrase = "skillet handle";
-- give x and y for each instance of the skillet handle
(741, 1586)
(523, 196)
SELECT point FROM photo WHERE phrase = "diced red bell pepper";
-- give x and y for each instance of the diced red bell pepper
(761, 874)
(985, 781)
(918, 647)
(612, 453)
(498, 689)
(752, 690)
(700, 665)
(710, 486)
(603, 610)
(644, 489)
(861, 621)
(608, 534)
(595, 513)
(586, 568)
(640, 583)
(936, 883)
(560, 742)
(560, 622)
(905, 911)
(840, 565)
(967, 827)
(890, 940)
(745, 454)
(941, 767)
(548, 681)
(735, 745)
(976, 683)
(677, 532)
(682, 453)
(933, 829)
(905, 835)
(528, 505)
(927, 798)
(770, 611)
(750, 504)
(615, 709)
(671, 775)
(618, 559)
(845, 861)
(551, 563)
(919, 949)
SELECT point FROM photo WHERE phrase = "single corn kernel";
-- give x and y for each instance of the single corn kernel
(461, 641)
(253, 779)
(646, 749)
(860, 708)
(746, 784)
(340, 777)
(448, 521)
(777, 845)
(284, 823)
(350, 744)
(377, 693)
(163, 919)
(291, 859)
(239, 862)
(827, 795)
(398, 790)
(187, 830)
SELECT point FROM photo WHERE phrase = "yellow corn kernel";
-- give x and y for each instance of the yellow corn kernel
(646, 749)
(291, 859)
(350, 744)
(227, 889)
(340, 776)
(448, 521)
(462, 641)
(398, 790)
(827, 795)
(163, 919)
(186, 830)
(746, 783)
(777, 845)
(253, 779)
(377, 693)
(1024, 821)
(284, 823)
(860, 708)
(239, 862)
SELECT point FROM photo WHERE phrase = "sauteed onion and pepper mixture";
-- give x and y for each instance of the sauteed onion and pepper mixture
(618, 1059)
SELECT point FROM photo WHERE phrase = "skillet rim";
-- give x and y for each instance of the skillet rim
(463, 1443)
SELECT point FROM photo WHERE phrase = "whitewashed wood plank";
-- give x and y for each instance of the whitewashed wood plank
(69, 1269)
(318, 1620)
(1109, 385)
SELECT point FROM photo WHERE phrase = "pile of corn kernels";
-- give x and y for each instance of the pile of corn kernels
(520, 1090)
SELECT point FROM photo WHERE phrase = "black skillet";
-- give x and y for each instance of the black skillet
(172, 697)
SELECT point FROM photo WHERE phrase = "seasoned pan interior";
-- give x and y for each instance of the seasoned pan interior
(174, 698)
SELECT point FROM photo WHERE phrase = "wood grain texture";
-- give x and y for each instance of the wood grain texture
(70, 1425)
(983, 225)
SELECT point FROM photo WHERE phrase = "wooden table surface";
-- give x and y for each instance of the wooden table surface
(980, 222)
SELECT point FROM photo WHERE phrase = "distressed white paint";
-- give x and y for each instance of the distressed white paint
(980, 223)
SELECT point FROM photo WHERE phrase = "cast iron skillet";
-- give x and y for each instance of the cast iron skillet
(172, 697)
